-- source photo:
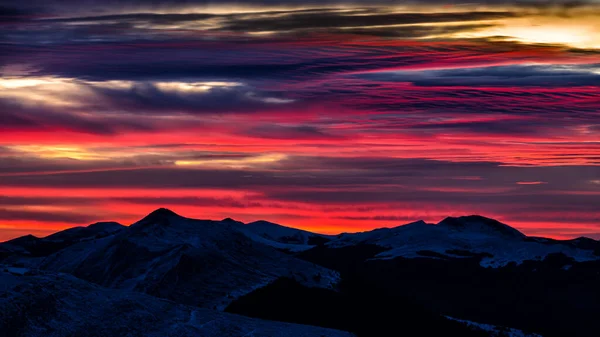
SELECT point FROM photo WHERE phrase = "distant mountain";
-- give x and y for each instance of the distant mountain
(477, 225)
(97, 230)
(496, 243)
(36, 303)
(282, 237)
(32, 246)
(197, 262)
(470, 276)
(474, 269)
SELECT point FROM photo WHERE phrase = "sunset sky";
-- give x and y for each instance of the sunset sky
(330, 116)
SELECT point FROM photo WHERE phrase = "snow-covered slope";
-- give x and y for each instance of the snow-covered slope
(19, 245)
(29, 246)
(56, 305)
(495, 331)
(497, 243)
(163, 233)
(98, 229)
(197, 262)
(282, 237)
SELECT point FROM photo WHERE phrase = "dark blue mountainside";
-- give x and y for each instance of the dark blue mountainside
(167, 275)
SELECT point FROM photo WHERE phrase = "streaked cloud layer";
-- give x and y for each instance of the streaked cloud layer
(331, 115)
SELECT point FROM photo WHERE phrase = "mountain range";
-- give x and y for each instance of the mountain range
(168, 275)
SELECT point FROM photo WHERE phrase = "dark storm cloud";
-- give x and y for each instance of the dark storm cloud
(13, 14)
(402, 166)
(246, 202)
(144, 61)
(411, 32)
(12, 201)
(213, 60)
(149, 18)
(510, 76)
(143, 25)
(129, 4)
(147, 98)
(500, 201)
(364, 181)
(285, 20)
(384, 168)
(48, 201)
(269, 131)
(15, 162)
(114, 110)
(553, 102)
(206, 60)
(165, 70)
(326, 171)
(158, 178)
(16, 116)
(321, 84)
(506, 127)
(66, 217)
(323, 20)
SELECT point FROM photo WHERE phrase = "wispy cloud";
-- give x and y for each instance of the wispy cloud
(330, 115)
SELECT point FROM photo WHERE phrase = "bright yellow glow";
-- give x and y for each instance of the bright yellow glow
(168, 86)
(194, 87)
(90, 153)
(14, 83)
(114, 84)
(68, 92)
(57, 151)
(576, 36)
(575, 31)
(55, 91)
(40, 208)
(577, 26)
(235, 163)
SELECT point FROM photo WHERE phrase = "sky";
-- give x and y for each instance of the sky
(332, 116)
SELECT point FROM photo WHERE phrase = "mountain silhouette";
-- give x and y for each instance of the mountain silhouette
(468, 276)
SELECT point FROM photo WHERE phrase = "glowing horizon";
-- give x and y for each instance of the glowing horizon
(330, 116)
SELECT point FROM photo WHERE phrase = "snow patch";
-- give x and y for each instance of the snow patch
(497, 243)
(494, 330)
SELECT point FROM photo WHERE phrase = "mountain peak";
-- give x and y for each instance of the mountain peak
(231, 221)
(161, 213)
(23, 239)
(105, 225)
(161, 216)
(263, 222)
(480, 224)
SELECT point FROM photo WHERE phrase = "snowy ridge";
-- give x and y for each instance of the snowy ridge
(164, 232)
(33, 246)
(494, 330)
(282, 237)
(498, 243)
(94, 230)
(202, 266)
(198, 262)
